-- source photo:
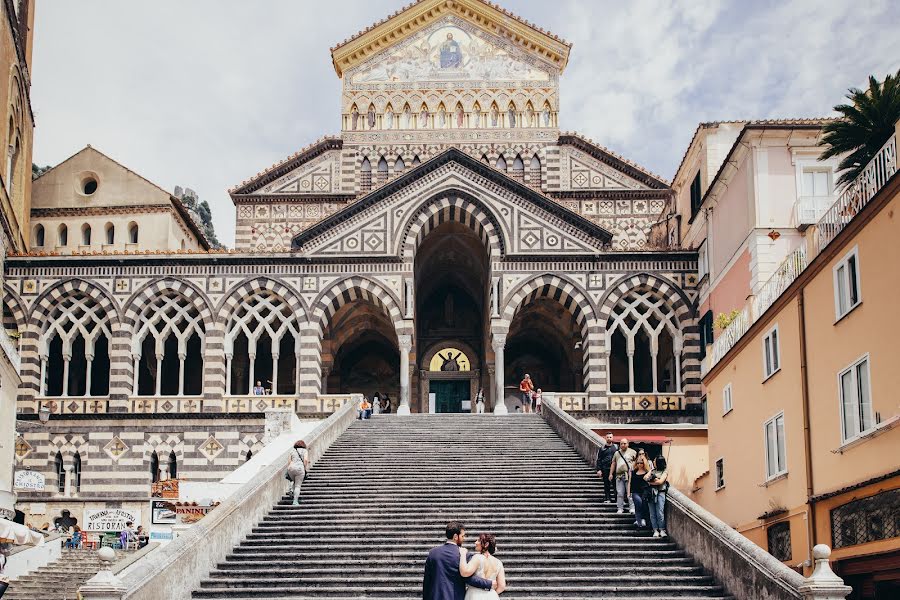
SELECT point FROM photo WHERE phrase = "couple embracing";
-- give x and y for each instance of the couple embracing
(452, 573)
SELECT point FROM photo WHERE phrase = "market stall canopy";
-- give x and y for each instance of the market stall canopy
(19, 534)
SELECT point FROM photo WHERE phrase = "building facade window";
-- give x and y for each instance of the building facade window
(703, 260)
(645, 342)
(847, 294)
(168, 348)
(696, 195)
(85, 235)
(815, 182)
(857, 416)
(132, 233)
(110, 233)
(173, 465)
(262, 343)
(779, 540)
(63, 235)
(76, 472)
(706, 332)
(720, 473)
(726, 399)
(771, 353)
(866, 520)
(154, 467)
(74, 349)
(39, 236)
(60, 473)
(776, 460)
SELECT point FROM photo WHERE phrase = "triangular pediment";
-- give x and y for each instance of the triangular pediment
(312, 170)
(452, 49)
(422, 15)
(524, 222)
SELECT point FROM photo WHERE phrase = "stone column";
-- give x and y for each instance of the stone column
(68, 489)
(405, 344)
(491, 386)
(498, 343)
(164, 469)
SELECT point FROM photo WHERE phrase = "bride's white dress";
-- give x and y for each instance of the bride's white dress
(494, 570)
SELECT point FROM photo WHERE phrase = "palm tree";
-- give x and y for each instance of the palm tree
(863, 127)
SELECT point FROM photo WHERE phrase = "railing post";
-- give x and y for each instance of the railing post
(104, 585)
(823, 584)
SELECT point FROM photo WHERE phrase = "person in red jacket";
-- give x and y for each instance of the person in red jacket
(527, 388)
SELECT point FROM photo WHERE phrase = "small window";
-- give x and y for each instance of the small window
(110, 233)
(89, 186)
(720, 473)
(60, 473)
(846, 284)
(703, 260)
(154, 467)
(816, 182)
(76, 472)
(776, 462)
(696, 195)
(857, 416)
(779, 538)
(706, 332)
(63, 236)
(771, 353)
(85, 235)
(39, 236)
(501, 163)
(726, 400)
(133, 233)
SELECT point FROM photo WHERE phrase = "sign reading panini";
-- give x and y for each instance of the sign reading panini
(110, 519)
(30, 480)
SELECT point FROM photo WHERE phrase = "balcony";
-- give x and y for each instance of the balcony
(809, 209)
(827, 226)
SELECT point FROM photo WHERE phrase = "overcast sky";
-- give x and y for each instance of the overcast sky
(206, 93)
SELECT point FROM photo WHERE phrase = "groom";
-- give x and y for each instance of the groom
(442, 579)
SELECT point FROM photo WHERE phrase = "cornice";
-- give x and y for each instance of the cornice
(412, 19)
(240, 199)
(284, 167)
(614, 160)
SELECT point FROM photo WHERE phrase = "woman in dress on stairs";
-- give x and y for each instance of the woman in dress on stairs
(297, 467)
(484, 565)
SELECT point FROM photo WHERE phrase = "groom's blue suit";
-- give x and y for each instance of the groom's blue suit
(442, 579)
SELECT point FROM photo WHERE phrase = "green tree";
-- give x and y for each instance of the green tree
(863, 127)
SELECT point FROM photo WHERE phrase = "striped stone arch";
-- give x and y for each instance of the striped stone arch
(675, 299)
(134, 309)
(576, 301)
(349, 290)
(253, 285)
(457, 206)
(39, 319)
(17, 315)
(321, 312)
(139, 300)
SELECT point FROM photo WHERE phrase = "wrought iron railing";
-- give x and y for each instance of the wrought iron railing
(856, 195)
(879, 170)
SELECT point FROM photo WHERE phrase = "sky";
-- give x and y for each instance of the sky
(206, 93)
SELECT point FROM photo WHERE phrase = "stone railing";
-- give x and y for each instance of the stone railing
(174, 571)
(852, 200)
(745, 570)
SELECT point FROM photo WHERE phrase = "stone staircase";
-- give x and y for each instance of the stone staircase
(58, 580)
(379, 498)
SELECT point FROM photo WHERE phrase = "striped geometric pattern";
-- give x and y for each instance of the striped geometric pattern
(139, 304)
(463, 209)
(576, 301)
(51, 305)
(684, 315)
(323, 309)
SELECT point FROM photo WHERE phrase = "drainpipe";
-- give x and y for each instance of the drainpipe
(807, 442)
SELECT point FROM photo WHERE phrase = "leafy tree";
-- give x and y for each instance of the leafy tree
(37, 171)
(202, 216)
(863, 127)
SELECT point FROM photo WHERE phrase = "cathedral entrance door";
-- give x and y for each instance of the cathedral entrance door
(449, 395)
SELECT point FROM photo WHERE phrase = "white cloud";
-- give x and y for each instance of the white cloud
(207, 93)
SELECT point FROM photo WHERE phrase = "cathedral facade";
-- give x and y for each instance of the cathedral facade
(450, 239)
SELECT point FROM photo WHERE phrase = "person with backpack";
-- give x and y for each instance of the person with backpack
(620, 469)
(658, 480)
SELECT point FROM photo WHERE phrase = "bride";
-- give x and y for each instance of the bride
(485, 565)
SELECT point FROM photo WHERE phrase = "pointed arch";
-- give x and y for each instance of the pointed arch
(458, 206)
(365, 179)
(500, 165)
(399, 165)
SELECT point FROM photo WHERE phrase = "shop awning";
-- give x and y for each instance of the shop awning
(644, 439)
(19, 534)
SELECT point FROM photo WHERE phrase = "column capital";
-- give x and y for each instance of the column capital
(404, 340)
(498, 341)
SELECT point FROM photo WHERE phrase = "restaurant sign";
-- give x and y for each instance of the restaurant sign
(110, 519)
(30, 480)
